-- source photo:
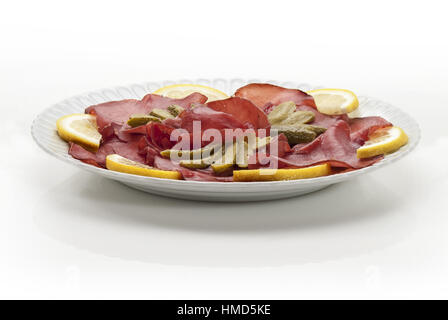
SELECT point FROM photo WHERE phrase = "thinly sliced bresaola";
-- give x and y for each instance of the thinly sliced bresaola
(323, 120)
(114, 114)
(334, 147)
(128, 150)
(263, 94)
(242, 110)
(188, 174)
(361, 128)
(209, 119)
(160, 102)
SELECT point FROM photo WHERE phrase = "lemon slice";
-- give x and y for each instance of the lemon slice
(179, 91)
(334, 101)
(81, 129)
(383, 141)
(281, 174)
(118, 163)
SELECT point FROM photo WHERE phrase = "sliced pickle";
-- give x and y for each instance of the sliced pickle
(316, 129)
(202, 163)
(192, 154)
(227, 159)
(137, 120)
(242, 154)
(263, 142)
(299, 117)
(175, 110)
(161, 113)
(281, 112)
(296, 134)
(194, 164)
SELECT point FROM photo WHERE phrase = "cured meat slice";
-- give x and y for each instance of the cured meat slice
(210, 119)
(114, 114)
(361, 128)
(188, 174)
(263, 95)
(128, 150)
(242, 110)
(323, 120)
(199, 175)
(160, 136)
(160, 102)
(334, 146)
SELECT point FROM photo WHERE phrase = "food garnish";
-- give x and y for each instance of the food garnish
(175, 110)
(137, 120)
(80, 129)
(334, 101)
(178, 91)
(161, 114)
(118, 163)
(297, 134)
(383, 141)
(281, 174)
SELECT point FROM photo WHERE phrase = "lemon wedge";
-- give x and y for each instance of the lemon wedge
(118, 163)
(281, 174)
(179, 91)
(383, 141)
(81, 129)
(334, 101)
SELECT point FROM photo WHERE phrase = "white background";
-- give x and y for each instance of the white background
(65, 233)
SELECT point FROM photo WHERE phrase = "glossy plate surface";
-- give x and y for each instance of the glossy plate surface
(45, 135)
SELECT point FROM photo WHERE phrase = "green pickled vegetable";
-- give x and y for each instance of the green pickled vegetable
(161, 113)
(281, 112)
(192, 154)
(296, 134)
(195, 164)
(137, 120)
(316, 129)
(226, 161)
(298, 117)
(175, 110)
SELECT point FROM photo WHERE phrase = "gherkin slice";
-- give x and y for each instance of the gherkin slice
(316, 129)
(192, 154)
(296, 134)
(242, 154)
(137, 120)
(202, 163)
(194, 164)
(281, 112)
(161, 113)
(227, 159)
(175, 110)
(263, 142)
(299, 117)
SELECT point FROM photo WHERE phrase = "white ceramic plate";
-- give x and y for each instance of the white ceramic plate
(44, 133)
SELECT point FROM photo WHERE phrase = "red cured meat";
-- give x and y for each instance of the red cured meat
(333, 146)
(160, 135)
(201, 175)
(361, 128)
(188, 174)
(160, 102)
(210, 119)
(242, 110)
(323, 120)
(262, 94)
(128, 150)
(114, 114)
